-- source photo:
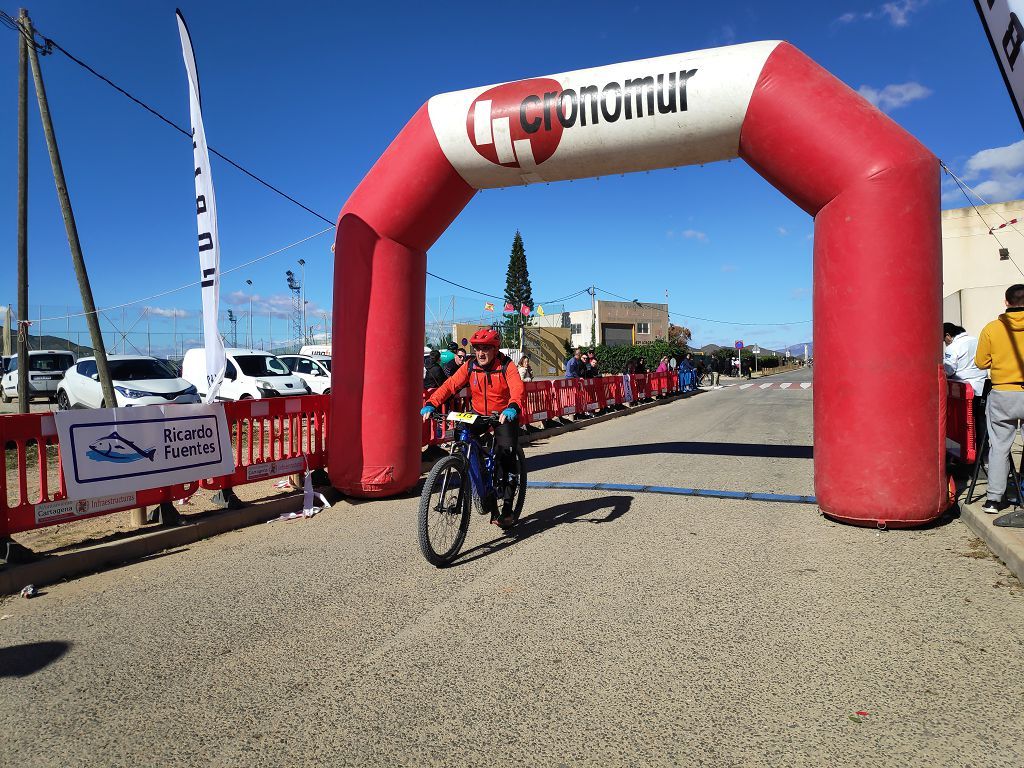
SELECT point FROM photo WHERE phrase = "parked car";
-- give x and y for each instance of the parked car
(137, 379)
(251, 374)
(45, 370)
(315, 371)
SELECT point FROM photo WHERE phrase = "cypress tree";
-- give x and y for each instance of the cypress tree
(518, 291)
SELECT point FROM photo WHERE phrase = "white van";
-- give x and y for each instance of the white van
(315, 371)
(46, 369)
(250, 374)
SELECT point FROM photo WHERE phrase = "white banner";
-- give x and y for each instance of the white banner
(206, 215)
(1004, 25)
(119, 450)
(680, 109)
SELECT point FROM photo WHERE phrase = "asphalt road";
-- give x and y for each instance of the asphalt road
(615, 629)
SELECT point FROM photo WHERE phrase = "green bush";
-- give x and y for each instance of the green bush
(615, 359)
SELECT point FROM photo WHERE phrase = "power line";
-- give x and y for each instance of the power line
(187, 285)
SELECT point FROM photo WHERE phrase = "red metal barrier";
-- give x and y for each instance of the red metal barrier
(32, 493)
(570, 396)
(960, 426)
(612, 389)
(275, 437)
(640, 383)
(540, 402)
(593, 392)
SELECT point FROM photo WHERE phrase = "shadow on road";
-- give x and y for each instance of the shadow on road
(540, 521)
(560, 458)
(28, 658)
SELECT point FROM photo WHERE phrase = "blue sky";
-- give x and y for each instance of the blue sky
(308, 95)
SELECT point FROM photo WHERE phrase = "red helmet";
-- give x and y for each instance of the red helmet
(485, 337)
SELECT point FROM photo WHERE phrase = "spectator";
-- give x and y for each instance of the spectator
(663, 365)
(641, 366)
(593, 370)
(958, 363)
(525, 370)
(435, 375)
(575, 368)
(686, 374)
(716, 370)
(452, 365)
(1001, 352)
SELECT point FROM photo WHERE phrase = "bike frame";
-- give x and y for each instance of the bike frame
(480, 475)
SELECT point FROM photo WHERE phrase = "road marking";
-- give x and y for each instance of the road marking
(805, 385)
(673, 491)
(746, 386)
(769, 384)
(787, 385)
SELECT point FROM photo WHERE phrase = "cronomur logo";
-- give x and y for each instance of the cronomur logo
(520, 124)
(495, 124)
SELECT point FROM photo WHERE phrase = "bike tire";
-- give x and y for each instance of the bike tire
(520, 499)
(450, 469)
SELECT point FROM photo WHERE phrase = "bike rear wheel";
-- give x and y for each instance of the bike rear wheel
(444, 510)
(519, 477)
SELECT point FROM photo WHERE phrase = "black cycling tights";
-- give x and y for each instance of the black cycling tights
(507, 440)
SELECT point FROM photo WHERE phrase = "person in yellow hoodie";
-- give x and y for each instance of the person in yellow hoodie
(1001, 352)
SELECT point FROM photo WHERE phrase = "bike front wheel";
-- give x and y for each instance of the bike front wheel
(444, 510)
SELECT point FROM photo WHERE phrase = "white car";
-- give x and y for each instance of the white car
(249, 374)
(315, 371)
(137, 379)
(45, 370)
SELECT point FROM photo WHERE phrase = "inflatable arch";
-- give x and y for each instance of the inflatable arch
(872, 189)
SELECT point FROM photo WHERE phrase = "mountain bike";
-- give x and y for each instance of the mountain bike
(469, 470)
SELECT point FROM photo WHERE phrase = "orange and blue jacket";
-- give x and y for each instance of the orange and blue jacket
(492, 389)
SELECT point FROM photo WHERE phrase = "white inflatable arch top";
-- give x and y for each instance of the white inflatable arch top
(578, 124)
(872, 189)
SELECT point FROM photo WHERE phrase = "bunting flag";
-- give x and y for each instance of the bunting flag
(206, 218)
(488, 306)
(524, 310)
(509, 307)
(540, 310)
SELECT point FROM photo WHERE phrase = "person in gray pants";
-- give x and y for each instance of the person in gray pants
(1001, 351)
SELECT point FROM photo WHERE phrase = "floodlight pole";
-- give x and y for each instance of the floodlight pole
(22, 336)
(77, 259)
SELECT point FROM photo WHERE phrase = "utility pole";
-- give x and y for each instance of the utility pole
(22, 215)
(99, 350)
(302, 266)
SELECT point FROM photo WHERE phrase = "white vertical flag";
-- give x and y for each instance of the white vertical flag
(7, 331)
(206, 215)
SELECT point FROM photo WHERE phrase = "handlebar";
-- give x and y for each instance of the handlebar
(492, 420)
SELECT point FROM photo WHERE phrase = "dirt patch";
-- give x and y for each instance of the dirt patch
(978, 550)
(77, 534)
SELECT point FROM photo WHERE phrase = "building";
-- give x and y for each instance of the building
(975, 271)
(615, 323)
(544, 344)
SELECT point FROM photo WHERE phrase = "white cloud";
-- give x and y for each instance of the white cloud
(782, 231)
(897, 13)
(895, 95)
(162, 312)
(695, 234)
(997, 159)
(729, 267)
(798, 294)
(1001, 189)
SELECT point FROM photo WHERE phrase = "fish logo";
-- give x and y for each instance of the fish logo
(118, 449)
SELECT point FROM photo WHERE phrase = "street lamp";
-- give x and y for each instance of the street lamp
(302, 265)
(252, 342)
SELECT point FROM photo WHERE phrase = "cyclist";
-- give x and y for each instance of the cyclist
(494, 385)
